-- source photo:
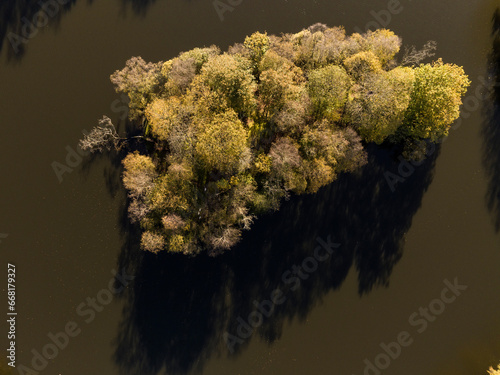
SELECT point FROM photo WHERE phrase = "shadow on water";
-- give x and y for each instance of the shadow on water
(179, 308)
(139, 7)
(491, 126)
(17, 15)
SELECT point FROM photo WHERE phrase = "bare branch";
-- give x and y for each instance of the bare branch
(413, 56)
(103, 136)
(137, 210)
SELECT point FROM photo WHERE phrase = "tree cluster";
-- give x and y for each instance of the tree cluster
(235, 133)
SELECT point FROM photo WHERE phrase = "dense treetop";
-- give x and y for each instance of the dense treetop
(231, 134)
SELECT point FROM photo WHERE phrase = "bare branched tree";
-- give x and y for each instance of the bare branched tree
(173, 222)
(137, 210)
(413, 56)
(153, 242)
(224, 240)
(103, 136)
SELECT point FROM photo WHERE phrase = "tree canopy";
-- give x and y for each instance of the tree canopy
(231, 134)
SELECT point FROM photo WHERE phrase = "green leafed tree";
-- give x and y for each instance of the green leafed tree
(328, 90)
(379, 102)
(435, 100)
(222, 144)
(162, 114)
(257, 45)
(362, 64)
(280, 82)
(228, 80)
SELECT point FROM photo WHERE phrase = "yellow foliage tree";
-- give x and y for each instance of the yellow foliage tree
(435, 100)
(222, 144)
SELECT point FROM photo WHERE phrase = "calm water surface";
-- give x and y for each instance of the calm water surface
(397, 248)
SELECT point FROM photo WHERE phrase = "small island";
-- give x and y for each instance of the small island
(229, 136)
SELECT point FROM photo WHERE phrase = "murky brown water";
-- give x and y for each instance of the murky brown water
(397, 248)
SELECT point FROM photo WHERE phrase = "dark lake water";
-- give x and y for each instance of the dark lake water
(398, 249)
